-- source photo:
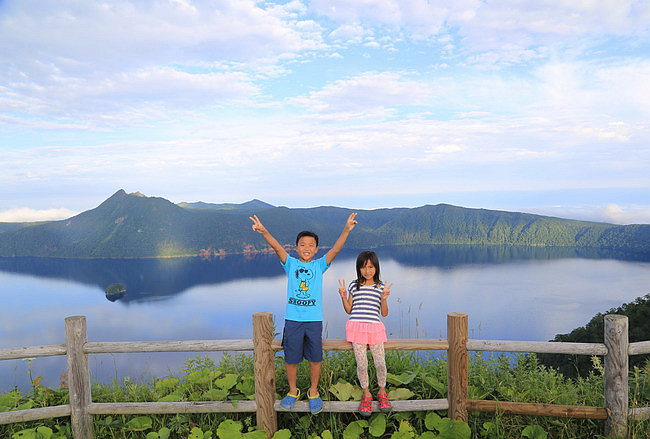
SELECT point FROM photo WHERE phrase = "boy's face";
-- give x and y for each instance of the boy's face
(306, 248)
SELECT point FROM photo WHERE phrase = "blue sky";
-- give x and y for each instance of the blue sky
(536, 106)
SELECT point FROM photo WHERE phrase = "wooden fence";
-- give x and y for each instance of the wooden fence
(616, 350)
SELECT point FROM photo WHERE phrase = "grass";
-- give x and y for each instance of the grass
(500, 377)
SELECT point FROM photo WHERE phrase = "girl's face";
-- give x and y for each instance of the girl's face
(368, 272)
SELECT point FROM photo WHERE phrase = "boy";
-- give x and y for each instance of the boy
(303, 325)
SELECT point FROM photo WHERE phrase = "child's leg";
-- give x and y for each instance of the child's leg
(292, 374)
(314, 372)
(362, 365)
(379, 358)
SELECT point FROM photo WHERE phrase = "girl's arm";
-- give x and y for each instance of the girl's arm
(384, 299)
(346, 299)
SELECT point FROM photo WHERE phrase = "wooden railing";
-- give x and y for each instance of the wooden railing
(615, 349)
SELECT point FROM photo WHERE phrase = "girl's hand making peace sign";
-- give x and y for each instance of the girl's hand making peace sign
(386, 292)
(342, 291)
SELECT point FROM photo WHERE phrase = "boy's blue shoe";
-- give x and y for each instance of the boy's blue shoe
(315, 404)
(289, 400)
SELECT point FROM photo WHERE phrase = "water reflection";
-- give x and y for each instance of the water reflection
(157, 279)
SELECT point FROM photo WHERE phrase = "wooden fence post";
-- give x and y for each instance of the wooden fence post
(616, 374)
(264, 372)
(78, 377)
(457, 365)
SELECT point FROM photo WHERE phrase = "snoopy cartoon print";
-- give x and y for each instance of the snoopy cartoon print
(304, 275)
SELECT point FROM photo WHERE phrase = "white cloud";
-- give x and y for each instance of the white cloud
(366, 92)
(26, 214)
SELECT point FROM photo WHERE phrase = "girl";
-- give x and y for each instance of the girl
(364, 299)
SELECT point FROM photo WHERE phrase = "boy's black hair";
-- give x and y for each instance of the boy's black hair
(364, 257)
(307, 233)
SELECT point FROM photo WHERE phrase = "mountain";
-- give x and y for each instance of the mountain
(133, 225)
(247, 208)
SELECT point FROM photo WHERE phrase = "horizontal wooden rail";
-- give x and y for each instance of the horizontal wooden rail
(35, 414)
(115, 347)
(639, 414)
(537, 409)
(541, 347)
(32, 352)
(639, 348)
(164, 408)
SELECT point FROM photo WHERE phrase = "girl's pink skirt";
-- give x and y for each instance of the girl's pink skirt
(365, 333)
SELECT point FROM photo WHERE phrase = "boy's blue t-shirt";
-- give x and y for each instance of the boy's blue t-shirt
(305, 289)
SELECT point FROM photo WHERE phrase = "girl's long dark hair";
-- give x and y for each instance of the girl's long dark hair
(364, 257)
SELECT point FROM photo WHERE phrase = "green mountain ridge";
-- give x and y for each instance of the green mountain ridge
(133, 225)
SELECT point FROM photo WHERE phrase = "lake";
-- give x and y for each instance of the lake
(509, 293)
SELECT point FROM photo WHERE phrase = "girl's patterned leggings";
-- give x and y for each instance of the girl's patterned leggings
(378, 357)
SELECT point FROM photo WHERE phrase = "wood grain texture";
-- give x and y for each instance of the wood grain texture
(458, 365)
(143, 408)
(540, 347)
(536, 409)
(35, 414)
(32, 352)
(78, 378)
(264, 364)
(616, 374)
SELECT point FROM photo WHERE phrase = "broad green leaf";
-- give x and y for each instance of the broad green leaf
(342, 390)
(199, 377)
(453, 429)
(327, 434)
(215, 395)
(30, 433)
(167, 384)
(406, 427)
(152, 435)
(437, 385)
(229, 429)
(9, 400)
(247, 386)
(377, 425)
(282, 434)
(257, 434)
(172, 397)
(401, 435)
(25, 405)
(228, 381)
(354, 429)
(196, 433)
(401, 379)
(139, 423)
(427, 435)
(534, 432)
(44, 432)
(164, 433)
(357, 393)
(400, 394)
(432, 420)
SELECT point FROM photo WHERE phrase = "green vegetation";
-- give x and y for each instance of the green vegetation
(638, 313)
(412, 376)
(132, 225)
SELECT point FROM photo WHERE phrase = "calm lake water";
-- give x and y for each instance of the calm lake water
(508, 294)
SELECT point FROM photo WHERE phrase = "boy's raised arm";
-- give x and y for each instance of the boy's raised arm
(259, 228)
(338, 245)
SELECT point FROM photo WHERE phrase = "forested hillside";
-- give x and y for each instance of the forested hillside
(133, 225)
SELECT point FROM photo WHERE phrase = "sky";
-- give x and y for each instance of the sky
(539, 106)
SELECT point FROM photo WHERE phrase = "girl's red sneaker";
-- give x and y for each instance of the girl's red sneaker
(384, 403)
(365, 407)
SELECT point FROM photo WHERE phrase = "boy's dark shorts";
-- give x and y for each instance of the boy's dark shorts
(302, 340)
